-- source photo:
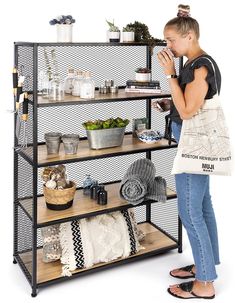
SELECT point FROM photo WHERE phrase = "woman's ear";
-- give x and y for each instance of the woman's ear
(191, 35)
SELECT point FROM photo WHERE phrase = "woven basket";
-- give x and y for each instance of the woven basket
(59, 199)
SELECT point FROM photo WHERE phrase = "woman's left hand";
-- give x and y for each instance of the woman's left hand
(165, 58)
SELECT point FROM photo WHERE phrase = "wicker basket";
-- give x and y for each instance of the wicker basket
(59, 199)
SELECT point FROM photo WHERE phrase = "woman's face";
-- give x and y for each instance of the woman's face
(177, 43)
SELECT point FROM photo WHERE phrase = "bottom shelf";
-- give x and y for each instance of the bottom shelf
(153, 241)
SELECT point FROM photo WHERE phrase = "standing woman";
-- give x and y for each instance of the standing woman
(195, 83)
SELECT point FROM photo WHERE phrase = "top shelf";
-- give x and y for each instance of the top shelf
(102, 98)
(25, 43)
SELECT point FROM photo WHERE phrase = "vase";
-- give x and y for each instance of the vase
(64, 32)
(128, 36)
(113, 36)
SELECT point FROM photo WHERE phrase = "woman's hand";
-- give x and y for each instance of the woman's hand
(165, 59)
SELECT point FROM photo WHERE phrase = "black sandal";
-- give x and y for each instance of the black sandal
(188, 286)
(188, 269)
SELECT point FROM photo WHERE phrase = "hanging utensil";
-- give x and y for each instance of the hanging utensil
(16, 92)
(15, 80)
(17, 109)
(25, 116)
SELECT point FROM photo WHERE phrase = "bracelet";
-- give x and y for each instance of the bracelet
(171, 76)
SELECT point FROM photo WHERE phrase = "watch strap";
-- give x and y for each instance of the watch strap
(171, 76)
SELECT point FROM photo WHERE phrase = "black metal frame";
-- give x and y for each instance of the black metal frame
(33, 162)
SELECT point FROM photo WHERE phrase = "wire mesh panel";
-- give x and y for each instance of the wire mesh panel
(69, 119)
(164, 215)
(104, 62)
(24, 232)
(24, 177)
(25, 69)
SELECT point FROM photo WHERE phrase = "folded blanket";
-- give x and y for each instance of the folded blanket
(157, 191)
(137, 180)
(140, 184)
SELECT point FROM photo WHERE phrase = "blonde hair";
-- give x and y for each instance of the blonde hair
(183, 23)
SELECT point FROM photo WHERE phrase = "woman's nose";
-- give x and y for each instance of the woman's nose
(168, 44)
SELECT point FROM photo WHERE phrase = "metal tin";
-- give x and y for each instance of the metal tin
(108, 82)
(104, 138)
(114, 89)
(103, 89)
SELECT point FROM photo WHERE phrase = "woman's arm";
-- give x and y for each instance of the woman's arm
(187, 103)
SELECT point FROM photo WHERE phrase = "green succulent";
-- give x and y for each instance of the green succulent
(112, 27)
(128, 29)
(105, 124)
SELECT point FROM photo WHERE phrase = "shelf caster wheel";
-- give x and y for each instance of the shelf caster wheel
(14, 261)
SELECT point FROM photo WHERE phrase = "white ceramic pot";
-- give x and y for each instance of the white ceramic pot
(64, 32)
(142, 77)
(113, 36)
(128, 36)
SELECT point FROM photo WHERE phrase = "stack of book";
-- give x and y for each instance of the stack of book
(150, 87)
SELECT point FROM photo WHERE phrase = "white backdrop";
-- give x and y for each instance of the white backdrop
(27, 20)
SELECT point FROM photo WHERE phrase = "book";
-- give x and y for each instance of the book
(143, 87)
(143, 90)
(152, 83)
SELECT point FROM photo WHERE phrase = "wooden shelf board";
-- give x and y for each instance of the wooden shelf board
(84, 152)
(153, 240)
(120, 96)
(82, 205)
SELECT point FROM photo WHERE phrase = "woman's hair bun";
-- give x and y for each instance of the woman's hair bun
(183, 11)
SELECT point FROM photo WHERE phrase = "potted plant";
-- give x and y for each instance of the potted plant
(64, 24)
(113, 32)
(105, 133)
(143, 74)
(128, 34)
(142, 34)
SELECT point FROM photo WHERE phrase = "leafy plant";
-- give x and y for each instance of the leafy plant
(141, 31)
(112, 26)
(62, 19)
(143, 70)
(128, 29)
(142, 34)
(104, 124)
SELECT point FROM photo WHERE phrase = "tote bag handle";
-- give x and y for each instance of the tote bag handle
(213, 67)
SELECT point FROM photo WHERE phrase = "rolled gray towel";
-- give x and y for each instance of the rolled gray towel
(137, 181)
(157, 191)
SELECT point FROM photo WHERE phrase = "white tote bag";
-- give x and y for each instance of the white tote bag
(204, 145)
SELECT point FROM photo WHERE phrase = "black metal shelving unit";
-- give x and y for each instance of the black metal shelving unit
(105, 61)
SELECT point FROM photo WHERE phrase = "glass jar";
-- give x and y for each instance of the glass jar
(102, 196)
(43, 84)
(68, 81)
(94, 189)
(87, 182)
(87, 89)
(77, 81)
(56, 89)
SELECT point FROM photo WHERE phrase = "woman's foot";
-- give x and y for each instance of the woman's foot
(185, 272)
(193, 289)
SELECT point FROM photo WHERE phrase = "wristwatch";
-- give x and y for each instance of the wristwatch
(171, 76)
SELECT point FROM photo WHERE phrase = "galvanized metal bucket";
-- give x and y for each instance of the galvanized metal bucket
(52, 140)
(70, 142)
(104, 138)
